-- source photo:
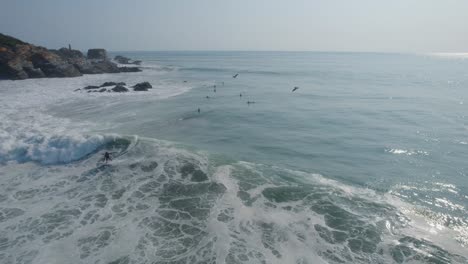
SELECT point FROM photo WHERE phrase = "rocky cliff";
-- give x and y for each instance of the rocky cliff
(21, 60)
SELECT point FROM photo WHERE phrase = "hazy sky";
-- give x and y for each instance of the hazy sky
(325, 25)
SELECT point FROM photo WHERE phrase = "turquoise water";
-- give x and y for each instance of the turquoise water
(364, 163)
(376, 120)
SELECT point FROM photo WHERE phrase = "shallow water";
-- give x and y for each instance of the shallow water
(364, 163)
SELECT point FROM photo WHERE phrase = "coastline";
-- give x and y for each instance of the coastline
(21, 60)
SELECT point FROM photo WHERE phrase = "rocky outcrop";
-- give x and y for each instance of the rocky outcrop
(21, 60)
(85, 65)
(97, 54)
(97, 67)
(91, 87)
(24, 61)
(144, 86)
(72, 56)
(120, 89)
(112, 84)
(51, 64)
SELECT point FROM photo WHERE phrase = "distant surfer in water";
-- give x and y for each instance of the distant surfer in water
(198, 110)
(107, 157)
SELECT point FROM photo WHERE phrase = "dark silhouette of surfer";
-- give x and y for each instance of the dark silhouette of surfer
(295, 88)
(240, 95)
(235, 76)
(198, 110)
(107, 157)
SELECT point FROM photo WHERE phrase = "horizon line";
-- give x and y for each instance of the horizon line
(299, 51)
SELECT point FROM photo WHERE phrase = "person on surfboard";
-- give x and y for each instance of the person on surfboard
(107, 157)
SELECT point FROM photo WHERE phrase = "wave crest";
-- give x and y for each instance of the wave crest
(50, 149)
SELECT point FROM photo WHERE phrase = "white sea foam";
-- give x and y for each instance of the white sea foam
(407, 152)
(29, 133)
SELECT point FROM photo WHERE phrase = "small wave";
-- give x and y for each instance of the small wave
(151, 65)
(407, 152)
(200, 69)
(162, 68)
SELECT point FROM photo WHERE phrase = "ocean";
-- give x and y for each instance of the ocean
(365, 163)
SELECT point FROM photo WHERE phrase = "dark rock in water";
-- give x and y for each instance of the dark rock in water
(140, 89)
(122, 59)
(112, 84)
(129, 69)
(102, 90)
(76, 90)
(108, 84)
(137, 62)
(144, 86)
(97, 54)
(91, 87)
(120, 89)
